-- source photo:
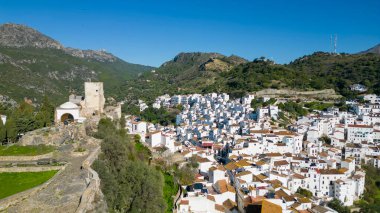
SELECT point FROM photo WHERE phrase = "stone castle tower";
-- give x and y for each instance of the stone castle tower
(94, 98)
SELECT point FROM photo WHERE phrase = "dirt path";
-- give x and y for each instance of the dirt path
(64, 192)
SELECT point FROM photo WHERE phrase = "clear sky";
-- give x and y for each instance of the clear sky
(152, 32)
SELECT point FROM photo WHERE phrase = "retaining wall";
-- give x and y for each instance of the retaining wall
(93, 188)
(14, 199)
(26, 158)
(30, 169)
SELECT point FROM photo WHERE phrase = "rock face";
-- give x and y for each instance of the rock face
(15, 35)
(98, 55)
(54, 136)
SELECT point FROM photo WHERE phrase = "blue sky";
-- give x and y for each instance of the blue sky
(152, 32)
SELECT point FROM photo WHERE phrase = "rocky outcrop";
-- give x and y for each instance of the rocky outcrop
(55, 136)
(326, 94)
(16, 35)
(99, 55)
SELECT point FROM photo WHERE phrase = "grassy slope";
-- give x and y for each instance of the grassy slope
(12, 183)
(16, 150)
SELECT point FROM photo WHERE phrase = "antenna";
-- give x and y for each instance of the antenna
(331, 43)
(335, 42)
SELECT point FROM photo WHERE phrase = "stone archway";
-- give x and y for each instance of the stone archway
(67, 117)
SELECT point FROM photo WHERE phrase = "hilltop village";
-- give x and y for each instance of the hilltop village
(248, 160)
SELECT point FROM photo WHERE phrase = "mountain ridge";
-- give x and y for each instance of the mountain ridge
(22, 36)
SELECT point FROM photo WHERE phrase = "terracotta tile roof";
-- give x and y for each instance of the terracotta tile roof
(223, 186)
(243, 173)
(213, 168)
(269, 207)
(184, 202)
(260, 177)
(242, 163)
(219, 208)
(260, 163)
(298, 176)
(330, 172)
(281, 163)
(229, 204)
(285, 133)
(231, 166)
(283, 195)
(210, 197)
(202, 160)
(273, 154)
(259, 131)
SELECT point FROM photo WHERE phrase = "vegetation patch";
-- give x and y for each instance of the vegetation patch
(371, 198)
(170, 190)
(315, 105)
(17, 150)
(15, 182)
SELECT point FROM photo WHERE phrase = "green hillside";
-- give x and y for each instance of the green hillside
(32, 72)
(186, 73)
(33, 65)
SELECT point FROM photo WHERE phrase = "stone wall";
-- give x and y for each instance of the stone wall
(14, 199)
(26, 158)
(88, 200)
(31, 168)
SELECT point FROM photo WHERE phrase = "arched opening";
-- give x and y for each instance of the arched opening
(67, 117)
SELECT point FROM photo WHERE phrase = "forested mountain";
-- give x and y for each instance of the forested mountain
(185, 73)
(189, 73)
(312, 72)
(33, 65)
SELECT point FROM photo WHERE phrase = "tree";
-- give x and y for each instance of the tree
(304, 192)
(185, 175)
(338, 206)
(326, 139)
(128, 182)
(45, 116)
(3, 132)
(122, 121)
(11, 130)
(24, 118)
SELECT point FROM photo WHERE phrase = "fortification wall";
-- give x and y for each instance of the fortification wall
(14, 199)
(88, 200)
